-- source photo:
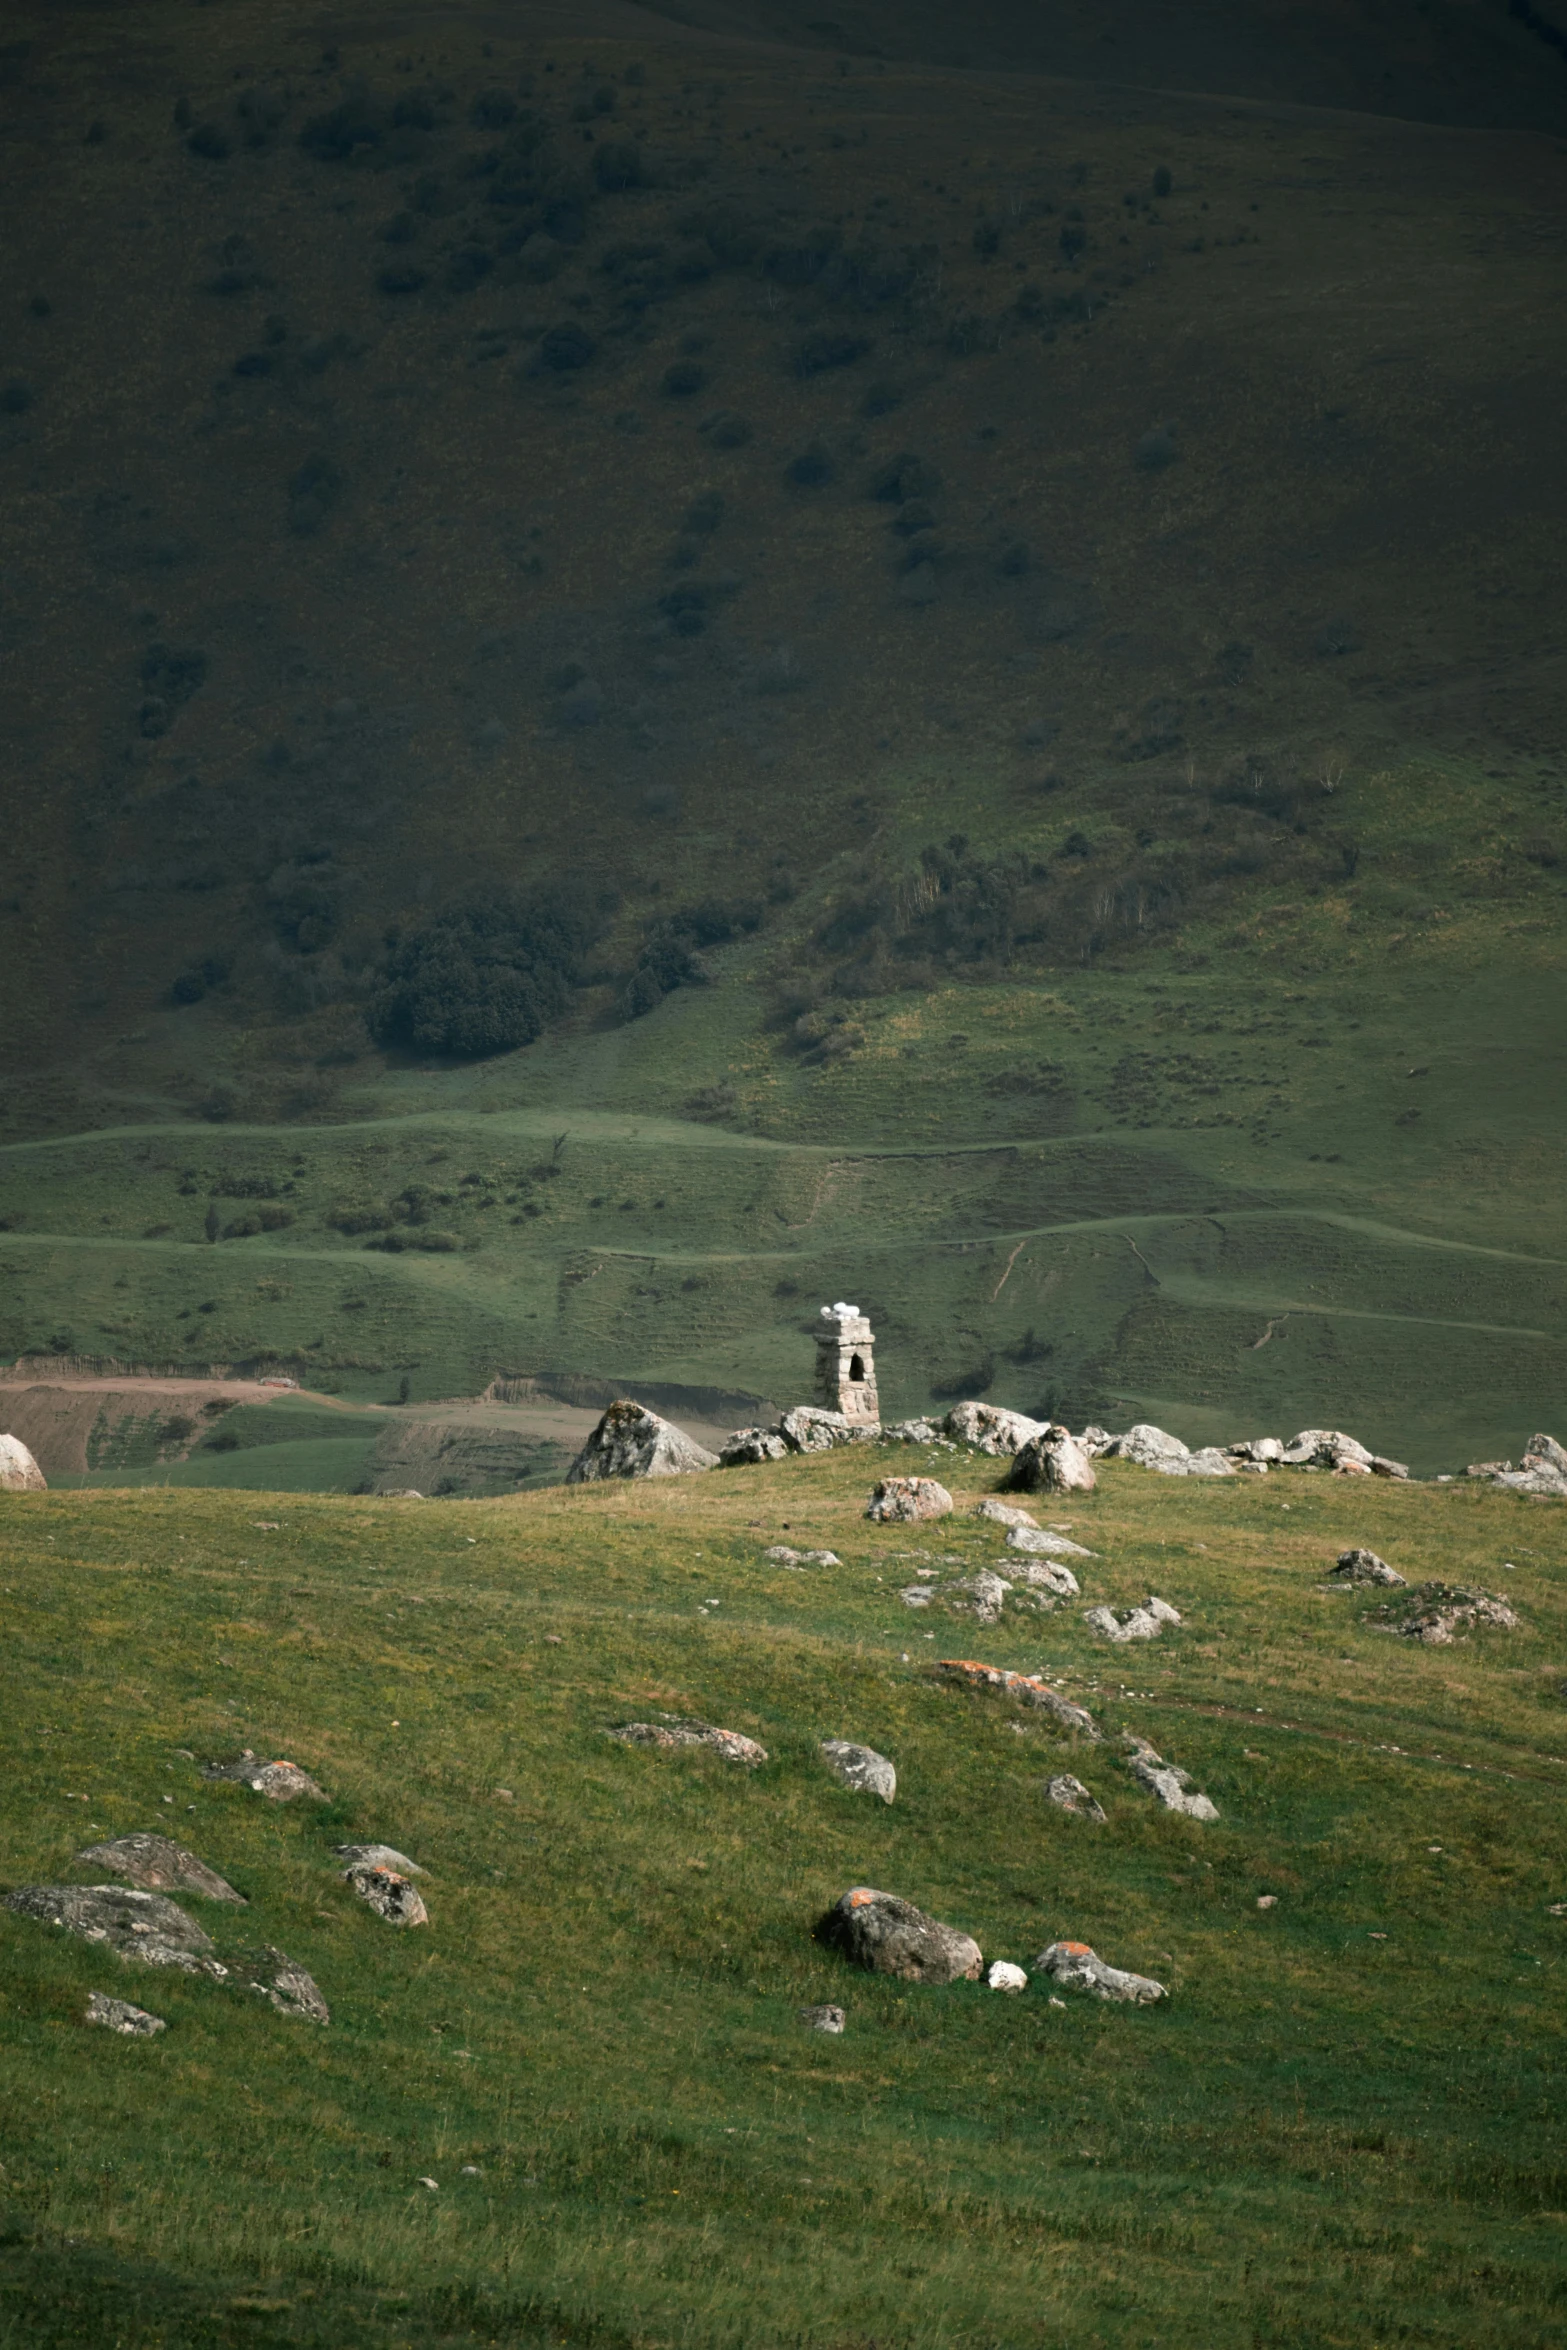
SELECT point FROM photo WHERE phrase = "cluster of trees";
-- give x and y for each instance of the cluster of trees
(485, 976)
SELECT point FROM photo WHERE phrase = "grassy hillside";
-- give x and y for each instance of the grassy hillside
(1338, 2129)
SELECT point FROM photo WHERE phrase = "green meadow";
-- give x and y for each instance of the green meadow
(1341, 2128)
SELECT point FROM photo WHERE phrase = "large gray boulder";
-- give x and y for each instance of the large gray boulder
(1052, 1462)
(749, 1447)
(903, 1501)
(1037, 1542)
(861, 1768)
(670, 1731)
(889, 1936)
(1131, 1623)
(279, 1781)
(19, 1472)
(377, 1856)
(1146, 1446)
(1167, 1782)
(145, 1927)
(807, 1427)
(631, 1441)
(159, 1866)
(989, 1428)
(1340, 1455)
(1076, 1967)
(1543, 1469)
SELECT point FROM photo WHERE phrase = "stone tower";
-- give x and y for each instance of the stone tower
(846, 1363)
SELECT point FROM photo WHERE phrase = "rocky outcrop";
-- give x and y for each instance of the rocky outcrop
(1070, 1795)
(1436, 1613)
(1033, 1583)
(1052, 1462)
(1025, 1688)
(861, 1768)
(279, 1781)
(1148, 1447)
(19, 1472)
(118, 2015)
(1363, 1566)
(388, 1892)
(749, 1447)
(808, 1427)
(889, 1936)
(990, 1429)
(145, 1927)
(1131, 1623)
(1542, 1470)
(1256, 1452)
(284, 1984)
(781, 1555)
(159, 1866)
(904, 1501)
(631, 1441)
(823, 2019)
(1166, 1781)
(1340, 1455)
(671, 1731)
(1076, 1967)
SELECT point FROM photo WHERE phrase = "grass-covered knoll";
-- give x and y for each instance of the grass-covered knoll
(1340, 2128)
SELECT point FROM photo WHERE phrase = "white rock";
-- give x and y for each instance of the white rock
(861, 1768)
(782, 1556)
(990, 1429)
(1004, 1976)
(118, 2015)
(1002, 1513)
(1047, 1575)
(1146, 1445)
(1052, 1462)
(1133, 1623)
(904, 1500)
(671, 1731)
(1070, 1795)
(1210, 1462)
(808, 1428)
(1035, 1540)
(19, 1472)
(631, 1441)
(982, 1595)
(1167, 1782)
(1075, 1966)
(377, 1856)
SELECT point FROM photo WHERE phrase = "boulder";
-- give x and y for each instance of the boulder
(1070, 1795)
(1435, 1612)
(1543, 1469)
(982, 1595)
(670, 1731)
(631, 1441)
(914, 1432)
(1363, 1566)
(1341, 1455)
(1003, 1513)
(747, 1446)
(1076, 1967)
(782, 1556)
(118, 2015)
(1004, 1976)
(1263, 1452)
(1209, 1462)
(1035, 1540)
(159, 1866)
(1131, 1623)
(823, 2019)
(903, 1501)
(1545, 1453)
(990, 1429)
(808, 1428)
(280, 1781)
(1095, 1441)
(1026, 1688)
(388, 1892)
(146, 1927)
(917, 1594)
(1052, 1462)
(377, 1856)
(1146, 1446)
(284, 1984)
(1045, 1575)
(889, 1936)
(19, 1472)
(861, 1768)
(1167, 1782)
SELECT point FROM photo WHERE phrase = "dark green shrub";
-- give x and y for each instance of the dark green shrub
(671, 953)
(483, 977)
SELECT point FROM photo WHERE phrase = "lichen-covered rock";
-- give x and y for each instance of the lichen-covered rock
(1340, 1455)
(1167, 1782)
(989, 1429)
(388, 1892)
(1052, 1462)
(1045, 1575)
(1005, 1513)
(1434, 1613)
(671, 1731)
(982, 1595)
(746, 1447)
(1077, 1967)
(118, 2015)
(903, 1501)
(808, 1427)
(279, 1781)
(1095, 1441)
(159, 1866)
(1146, 1446)
(1131, 1623)
(284, 1984)
(145, 1927)
(1038, 1542)
(1070, 1795)
(823, 2019)
(377, 1856)
(19, 1472)
(1026, 1688)
(914, 1432)
(1209, 1462)
(861, 1768)
(782, 1556)
(889, 1936)
(1542, 1470)
(1004, 1976)
(1364, 1566)
(1262, 1452)
(631, 1441)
